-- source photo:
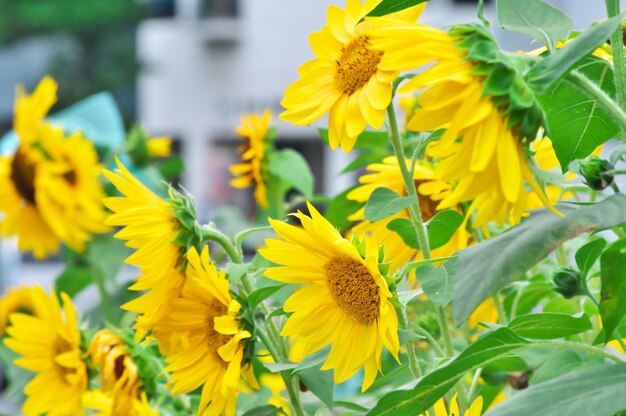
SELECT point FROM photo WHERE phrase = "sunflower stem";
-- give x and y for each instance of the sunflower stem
(617, 50)
(472, 389)
(413, 363)
(105, 299)
(416, 215)
(209, 232)
(607, 103)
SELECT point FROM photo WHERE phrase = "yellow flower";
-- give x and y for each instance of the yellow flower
(15, 300)
(485, 312)
(474, 410)
(201, 337)
(100, 403)
(345, 79)
(159, 146)
(49, 344)
(49, 189)
(430, 189)
(254, 128)
(343, 301)
(150, 227)
(488, 162)
(118, 371)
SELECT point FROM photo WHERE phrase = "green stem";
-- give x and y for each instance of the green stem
(245, 233)
(606, 102)
(472, 389)
(105, 298)
(561, 256)
(587, 292)
(413, 363)
(209, 232)
(433, 342)
(497, 301)
(617, 50)
(416, 215)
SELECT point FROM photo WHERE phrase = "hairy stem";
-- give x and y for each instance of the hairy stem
(617, 50)
(413, 363)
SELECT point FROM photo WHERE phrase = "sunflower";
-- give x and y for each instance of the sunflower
(485, 312)
(118, 371)
(15, 300)
(254, 129)
(202, 338)
(151, 228)
(49, 189)
(430, 189)
(488, 163)
(344, 299)
(345, 79)
(49, 344)
(100, 403)
(159, 146)
(474, 410)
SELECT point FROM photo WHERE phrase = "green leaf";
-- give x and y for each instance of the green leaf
(534, 18)
(431, 387)
(374, 155)
(291, 167)
(386, 7)
(266, 410)
(405, 296)
(406, 230)
(367, 140)
(320, 383)
(383, 203)
(107, 254)
(577, 122)
(597, 391)
(236, 271)
(587, 255)
(487, 267)
(259, 295)
(557, 364)
(550, 325)
(436, 283)
(171, 168)
(73, 280)
(442, 227)
(340, 208)
(613, 290)
(552, 67)
(407, 336)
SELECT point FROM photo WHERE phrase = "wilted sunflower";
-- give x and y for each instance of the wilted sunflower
(430, 189)
(250, 172)
(49, 344)
(202, 338)
(118, 372)
(151, 228)
(345, 79)
(15, 300)
(49, 188)
(344, 300)
(478, 150)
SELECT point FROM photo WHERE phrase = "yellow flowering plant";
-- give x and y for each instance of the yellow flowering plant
(477, 265)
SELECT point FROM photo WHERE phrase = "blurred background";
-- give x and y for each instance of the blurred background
(189, 69)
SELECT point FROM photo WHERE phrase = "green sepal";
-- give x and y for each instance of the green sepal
(503, 80)
(247, 322)
(184, 209)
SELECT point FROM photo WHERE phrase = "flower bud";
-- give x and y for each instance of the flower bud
(597, 172)
(567, 281)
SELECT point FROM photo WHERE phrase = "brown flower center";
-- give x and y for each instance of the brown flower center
(23, 177)
(356, 66)
(215, 340)
(427, 205)
(353, 288)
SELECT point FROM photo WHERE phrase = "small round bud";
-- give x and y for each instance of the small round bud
(598, 173)
(567, 281)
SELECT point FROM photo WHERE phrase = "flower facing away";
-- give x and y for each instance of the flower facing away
(49, 344)
(251, 170)
(50, 190)
(480, 150)
(431, 190)
(152, 228)
(345, 79)
(118, 371)
(344, 300)
(202, 337)
(15, 300)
